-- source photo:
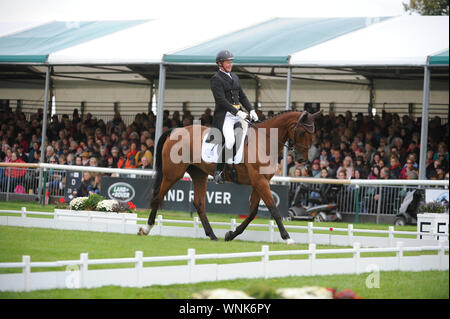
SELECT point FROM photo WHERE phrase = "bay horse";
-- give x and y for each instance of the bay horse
(292, 126)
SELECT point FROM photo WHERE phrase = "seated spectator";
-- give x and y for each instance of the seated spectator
(315, 169)
(144, 152)
(395, 167)
(127, 160)
(347, 165)
(145, 163)
(407, 168)
(83, 189)
(95, 186)
(374, 172)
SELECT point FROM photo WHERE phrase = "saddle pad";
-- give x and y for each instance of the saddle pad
(210, 151)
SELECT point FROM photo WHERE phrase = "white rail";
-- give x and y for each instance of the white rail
(82, 277)
(287, 179)
(116, 223)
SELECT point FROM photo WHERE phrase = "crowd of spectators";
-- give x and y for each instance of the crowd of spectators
(348, 147)
(343, 146)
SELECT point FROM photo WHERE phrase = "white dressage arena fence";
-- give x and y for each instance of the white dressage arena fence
(127, 224)
(78, 275)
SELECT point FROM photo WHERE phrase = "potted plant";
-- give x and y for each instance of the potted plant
(95, 208)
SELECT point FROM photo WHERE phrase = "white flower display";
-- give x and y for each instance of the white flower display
(221, 294)
(77, 203)
(305, 293)
(108, 205)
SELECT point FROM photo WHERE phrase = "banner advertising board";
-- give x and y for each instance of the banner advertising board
(227, 198)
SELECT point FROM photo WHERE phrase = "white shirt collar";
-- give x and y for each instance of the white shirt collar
(229, 74)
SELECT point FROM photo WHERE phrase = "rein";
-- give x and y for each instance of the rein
(307, 126)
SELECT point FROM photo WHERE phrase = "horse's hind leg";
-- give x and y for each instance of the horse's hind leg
(200, 180)
(254, 203)
(166, 184)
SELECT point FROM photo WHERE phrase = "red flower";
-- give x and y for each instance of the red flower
(131, 205)
(331, 228)
(62, 200)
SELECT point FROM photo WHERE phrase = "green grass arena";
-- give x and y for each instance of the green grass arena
(51, 245)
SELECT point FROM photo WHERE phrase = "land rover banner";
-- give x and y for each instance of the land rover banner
(227, 198)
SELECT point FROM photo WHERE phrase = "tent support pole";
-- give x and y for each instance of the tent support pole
(288, 107)
(44, 132)
(424, 130)
(160, 107)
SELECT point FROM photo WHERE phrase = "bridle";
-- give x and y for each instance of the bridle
(307, 127)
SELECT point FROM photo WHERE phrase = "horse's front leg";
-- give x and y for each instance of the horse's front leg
(263, 188)
(254, 203)
(200, 181)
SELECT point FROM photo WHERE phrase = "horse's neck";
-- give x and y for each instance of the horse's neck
(281, 122)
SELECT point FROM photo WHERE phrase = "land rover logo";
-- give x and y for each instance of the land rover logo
(122, 192)
(276, 198)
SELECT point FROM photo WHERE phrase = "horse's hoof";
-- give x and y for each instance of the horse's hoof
(228, 236)
(215, 239)
(290, 241)
(144, 231)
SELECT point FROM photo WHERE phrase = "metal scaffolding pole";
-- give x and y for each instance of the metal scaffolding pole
(160, 106)
(424, 130)
(288, 107)
(44, 129)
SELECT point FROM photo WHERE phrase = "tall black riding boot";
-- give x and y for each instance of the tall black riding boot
(218, 173)
(220, 167)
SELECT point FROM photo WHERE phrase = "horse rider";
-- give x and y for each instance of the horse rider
(229, 97)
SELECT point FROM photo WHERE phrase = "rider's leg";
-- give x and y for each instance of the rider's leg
(227, 150)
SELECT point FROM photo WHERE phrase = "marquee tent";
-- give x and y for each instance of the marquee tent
(368, 46)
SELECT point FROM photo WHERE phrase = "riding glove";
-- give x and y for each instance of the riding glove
(242, 115)
(253, 115)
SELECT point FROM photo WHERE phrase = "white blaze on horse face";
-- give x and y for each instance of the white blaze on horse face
(182, 145)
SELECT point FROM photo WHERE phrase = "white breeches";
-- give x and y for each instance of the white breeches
(228, 129)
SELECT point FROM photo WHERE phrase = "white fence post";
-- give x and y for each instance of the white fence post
(124, 224)
(441, 254)
(191, 263)
(350, 234)
(83, 269)
(26, 272)
(196, 227)
(24, 212)
(310, 232)
(399, 254)
(265, 260)
(233, 224)
(160, 224)
(312, 258)
(356, 256)
(139, 266)
(271, 230)
(391, 236)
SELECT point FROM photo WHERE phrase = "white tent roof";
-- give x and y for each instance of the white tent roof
(400, 41)
(145, 43)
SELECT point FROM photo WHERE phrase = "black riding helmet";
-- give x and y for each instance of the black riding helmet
(224, 55)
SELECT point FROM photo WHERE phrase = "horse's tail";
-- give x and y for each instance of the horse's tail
(158, 168)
